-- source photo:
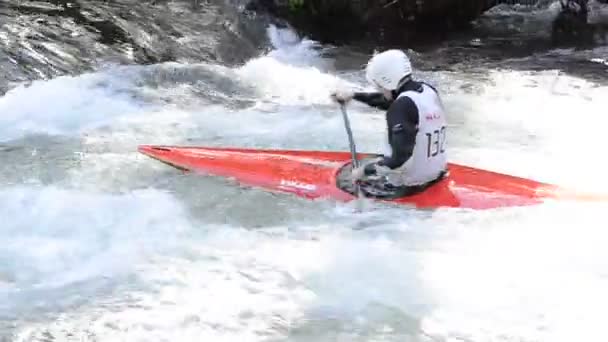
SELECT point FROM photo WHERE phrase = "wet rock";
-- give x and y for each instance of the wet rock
(580, 23)
(385, 20)
(571, 27)
(43, 39)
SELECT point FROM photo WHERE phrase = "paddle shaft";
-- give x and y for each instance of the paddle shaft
(351, 140)
(353, 150)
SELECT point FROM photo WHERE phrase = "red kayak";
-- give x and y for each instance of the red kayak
(314, 174)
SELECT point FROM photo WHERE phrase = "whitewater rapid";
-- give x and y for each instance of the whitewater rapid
(100, 242)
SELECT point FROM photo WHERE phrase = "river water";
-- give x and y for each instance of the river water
(103, 244)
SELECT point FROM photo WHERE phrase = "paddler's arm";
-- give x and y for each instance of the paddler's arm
(402, 118)
(372, 99)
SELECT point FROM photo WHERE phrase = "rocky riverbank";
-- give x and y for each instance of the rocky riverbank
(43, 39)
(48, 38)
(395, 22)
(381, 20)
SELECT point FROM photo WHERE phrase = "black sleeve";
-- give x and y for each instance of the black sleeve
(402, 120)
(376, 100)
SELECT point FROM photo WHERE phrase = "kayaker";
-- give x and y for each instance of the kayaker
(416, 128)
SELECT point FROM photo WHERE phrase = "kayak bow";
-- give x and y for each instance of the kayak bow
(314, 174)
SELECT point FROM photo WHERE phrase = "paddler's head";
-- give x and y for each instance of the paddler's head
(388, 71)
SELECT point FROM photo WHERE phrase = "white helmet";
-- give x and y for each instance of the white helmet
(387, 68)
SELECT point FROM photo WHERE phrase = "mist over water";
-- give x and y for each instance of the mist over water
(102, 243)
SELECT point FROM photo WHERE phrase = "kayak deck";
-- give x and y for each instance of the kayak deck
(304, 173)
(313, 174)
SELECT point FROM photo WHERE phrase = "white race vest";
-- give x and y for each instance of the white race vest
(429, 157)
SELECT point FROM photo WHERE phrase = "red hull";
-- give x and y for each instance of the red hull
(312, 174)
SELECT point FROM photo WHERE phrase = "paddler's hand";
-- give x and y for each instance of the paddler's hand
(358, 173)
(342, 96)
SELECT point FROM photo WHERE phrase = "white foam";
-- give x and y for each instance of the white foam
(519, 275)
(513, 274)
(548, 126)
(224, 285)
(65, 105)
(54, 237)
(294, 73)
(537, 278)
